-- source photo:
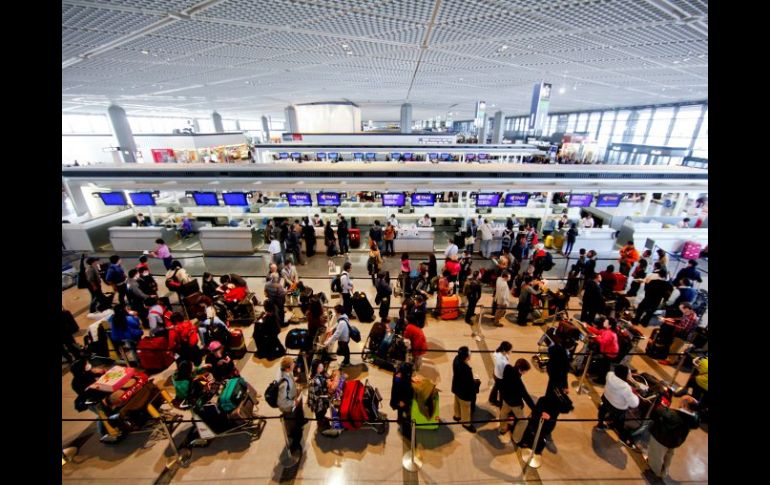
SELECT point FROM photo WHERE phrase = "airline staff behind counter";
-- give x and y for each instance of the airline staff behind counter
(425, 221)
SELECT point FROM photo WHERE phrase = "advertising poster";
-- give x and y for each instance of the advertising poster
(163, 155)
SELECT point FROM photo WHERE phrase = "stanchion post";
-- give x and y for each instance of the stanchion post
(411, 461)
(531, 456)
(478, 320)
(676, 373)
(177, 458)
(583, 375)
(290, 460)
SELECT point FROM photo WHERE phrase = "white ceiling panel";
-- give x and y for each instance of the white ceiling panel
(248, 56)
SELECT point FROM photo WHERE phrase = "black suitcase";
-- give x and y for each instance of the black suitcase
(362, 308)
(298, 339)
(105, 301)
(656, 348)
(189, 288)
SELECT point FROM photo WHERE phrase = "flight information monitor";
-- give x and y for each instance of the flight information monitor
(488, 200)
(142, 198)
(113, 198)
(205, 198)
(516, 200)
(235, 198)
(423, 199)
(299, 199)
(393, 200)
(609, 200)
(328, 198)
(580, 200)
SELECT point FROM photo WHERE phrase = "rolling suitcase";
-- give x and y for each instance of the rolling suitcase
(237, 344)
(362, 308)
(355, 238)
(233, 393)
(548, 241)
(450, 307)
(352, 409)
(691, 250)
(558, 241)
(425, 422)
(298, 339)
(154, 354)
(656, 347)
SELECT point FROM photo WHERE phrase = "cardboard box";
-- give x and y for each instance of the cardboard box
(113, 379)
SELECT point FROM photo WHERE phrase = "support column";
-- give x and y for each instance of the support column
(196, 126)
(291, 119)
(238, 125)
(680, 204)
(122, 131)
(497, 133)
(406, 118)
(646, 203)
(266, 129)
(75, 193)
(217, 119)
(483, 131)
(546, 210)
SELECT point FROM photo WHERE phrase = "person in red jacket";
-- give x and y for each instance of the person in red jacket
(607, 338)
(453, 266)
(419, 344)
(183, 338)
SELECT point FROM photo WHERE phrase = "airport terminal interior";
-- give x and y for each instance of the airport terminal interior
(489, 192)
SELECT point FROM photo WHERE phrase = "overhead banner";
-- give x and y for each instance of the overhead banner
(541, 97)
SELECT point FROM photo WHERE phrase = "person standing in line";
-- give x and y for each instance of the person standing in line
(94, 285)
(384, 292)
(514, 395)
(500, 358)
(374, 263)
(655, 292)
(308, 234)
(275, 292)
(70, 349)
(341, 335)
(466, 263)
(628, 256)
(376, 235)
(347, 288)
(463, 387)
(669, 430)
(290, 404)
(163, 252)
(418, 342)
(662, 258)
(135, 295)
(593, 301)
(589, 267)
(472, 291)
(502, 297)
(276, 252)
(389, 234)
(529, 290)
(451, 250)
(116, 277)
(571, 236)
(342, 235)
(637, 277)
(690, 272)
(557, 367)
(486, 238)
(618, 397)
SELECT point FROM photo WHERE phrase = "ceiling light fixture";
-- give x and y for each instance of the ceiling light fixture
(144, 51)
(562, 90)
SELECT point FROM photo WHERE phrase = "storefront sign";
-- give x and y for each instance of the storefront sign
(163, 155)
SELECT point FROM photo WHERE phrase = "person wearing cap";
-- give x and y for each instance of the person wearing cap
(669, 430)
(94, 285)
(221, 365)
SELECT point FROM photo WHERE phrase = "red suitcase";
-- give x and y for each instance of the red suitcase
(691, 250)
(355, 238)
(450, 307)
(237, 344)
(352, 409)
(153, 353)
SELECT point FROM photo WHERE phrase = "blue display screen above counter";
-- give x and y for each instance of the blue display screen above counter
(488, 200)
(395, 155)
(205, 198)
(299, 199)
(370, 155)
(283, 155)
(358, 156)
(142, 198)
(320, 155)
(113, 198)
(580, 200)
(393, 200)
(609, 200)
(423, 200)
(516, 200)
(328, 199)
(235, 198)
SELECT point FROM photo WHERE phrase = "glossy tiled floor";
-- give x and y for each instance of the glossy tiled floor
(578, 454)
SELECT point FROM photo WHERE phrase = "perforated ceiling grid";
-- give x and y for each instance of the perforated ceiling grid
(270, 53)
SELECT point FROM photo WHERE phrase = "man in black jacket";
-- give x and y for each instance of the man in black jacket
(514, 394)
(375, 234)
(589, 268)
(655, 292)
(463, 387)
(342, 235)
(669, 430)
(308, 234)
(593, 301)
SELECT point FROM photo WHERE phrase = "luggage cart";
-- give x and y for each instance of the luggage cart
(211, 423)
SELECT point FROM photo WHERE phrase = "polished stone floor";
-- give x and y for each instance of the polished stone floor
(578, 453)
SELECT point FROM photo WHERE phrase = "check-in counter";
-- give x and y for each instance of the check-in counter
(129, 238)
(228, 239)
(600, 239)
(411, 239)
(670, 239)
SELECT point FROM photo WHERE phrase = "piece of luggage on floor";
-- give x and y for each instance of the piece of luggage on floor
(104, 302)
(298, 339)
(237, 344)
(548, 243)
(354, 236)
(362, 308)
(153, 353)
(352, 409)
(691, 250)
(233, 392)
(656, 348)
(426, 422)
(195, 305)
(450, 307)
(187, 289)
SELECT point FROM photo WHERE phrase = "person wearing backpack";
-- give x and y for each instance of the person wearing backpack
(341, 335)
(116, 277)
(375, 234)
(669, 430)
(507, 241)
(289, 401)
(176, 277)
(346, 288)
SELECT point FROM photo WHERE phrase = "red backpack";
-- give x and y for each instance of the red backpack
(166, 315)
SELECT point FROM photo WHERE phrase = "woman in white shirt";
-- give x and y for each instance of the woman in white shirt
(425, 221)
(500, 358)
(588, 222)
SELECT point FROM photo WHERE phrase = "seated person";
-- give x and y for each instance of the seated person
(140, 220)
(677, 330)
(213, 328)
(186, 228)
(182, 379)
(210, 286)
(219, 363)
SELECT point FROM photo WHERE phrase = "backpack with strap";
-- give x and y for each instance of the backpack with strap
(271, 393)
(547, 261)
(171, 282)
(353, 332)
(337, 283)
(507, 238)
